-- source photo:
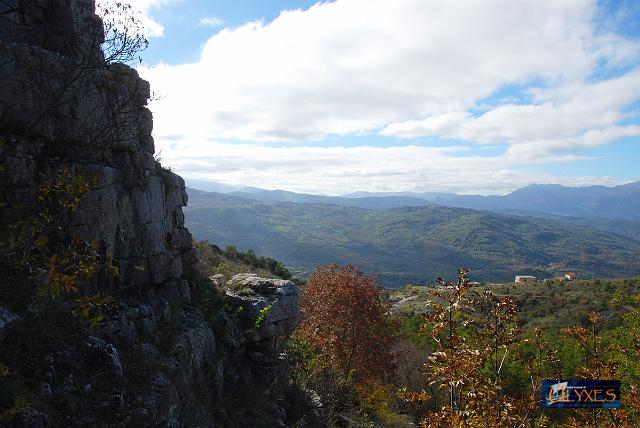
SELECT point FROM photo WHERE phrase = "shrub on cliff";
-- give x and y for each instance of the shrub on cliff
(42, 261)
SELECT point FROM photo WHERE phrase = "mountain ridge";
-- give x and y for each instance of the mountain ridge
(620, 202)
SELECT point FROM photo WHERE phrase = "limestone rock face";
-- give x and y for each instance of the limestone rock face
(167, 400)
(66, 27)
(62, 106)
(269, 309)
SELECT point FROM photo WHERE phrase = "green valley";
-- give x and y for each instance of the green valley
(410, 244)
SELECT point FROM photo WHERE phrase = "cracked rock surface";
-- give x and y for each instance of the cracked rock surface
(62, 106)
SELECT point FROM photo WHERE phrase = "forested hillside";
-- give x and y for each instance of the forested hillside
(410, 244)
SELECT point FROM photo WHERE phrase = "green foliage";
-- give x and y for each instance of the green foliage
(551, 306)
(262, 314)
(226, 268)
(231, 261)
(212, 305)
(412, 329)
(627, 336)
(40, 256)
(249, 258)
(491, 370)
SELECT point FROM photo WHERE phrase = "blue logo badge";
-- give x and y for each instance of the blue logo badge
(580, 393)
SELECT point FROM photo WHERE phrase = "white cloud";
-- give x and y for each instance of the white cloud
(405, 68)
(540, 149)
(562, 112)
(567, 118)
(356, 65)
(211, 21)
(340, 170)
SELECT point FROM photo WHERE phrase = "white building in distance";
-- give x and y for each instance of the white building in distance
(526, 278)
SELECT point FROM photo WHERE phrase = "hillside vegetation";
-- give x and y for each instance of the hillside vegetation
(411, 244)
(464, 355)
(554, 305)
(212, 260)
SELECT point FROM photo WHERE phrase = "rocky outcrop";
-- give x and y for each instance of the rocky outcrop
(269, 310)
(62, 106)
(166, 358)
(206, 372)
(175, 350)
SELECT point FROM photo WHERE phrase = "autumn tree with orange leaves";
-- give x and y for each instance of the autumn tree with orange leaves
(346, 323)
(345, 340)
(474, 336)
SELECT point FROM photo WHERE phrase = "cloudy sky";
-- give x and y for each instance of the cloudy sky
(396, 95)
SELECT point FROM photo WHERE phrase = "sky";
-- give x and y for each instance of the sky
(477, 97)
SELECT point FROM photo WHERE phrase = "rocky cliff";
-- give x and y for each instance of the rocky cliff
(169, 348)
(61, 106)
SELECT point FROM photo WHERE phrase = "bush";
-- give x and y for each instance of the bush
(345, 320)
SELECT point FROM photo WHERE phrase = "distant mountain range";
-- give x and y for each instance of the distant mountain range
(413, 244)
(601, 202)
(620, 202)
(368, 202)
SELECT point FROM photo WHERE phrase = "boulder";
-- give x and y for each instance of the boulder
(269, 309)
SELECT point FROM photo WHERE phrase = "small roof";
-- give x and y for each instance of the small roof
(570, 273)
